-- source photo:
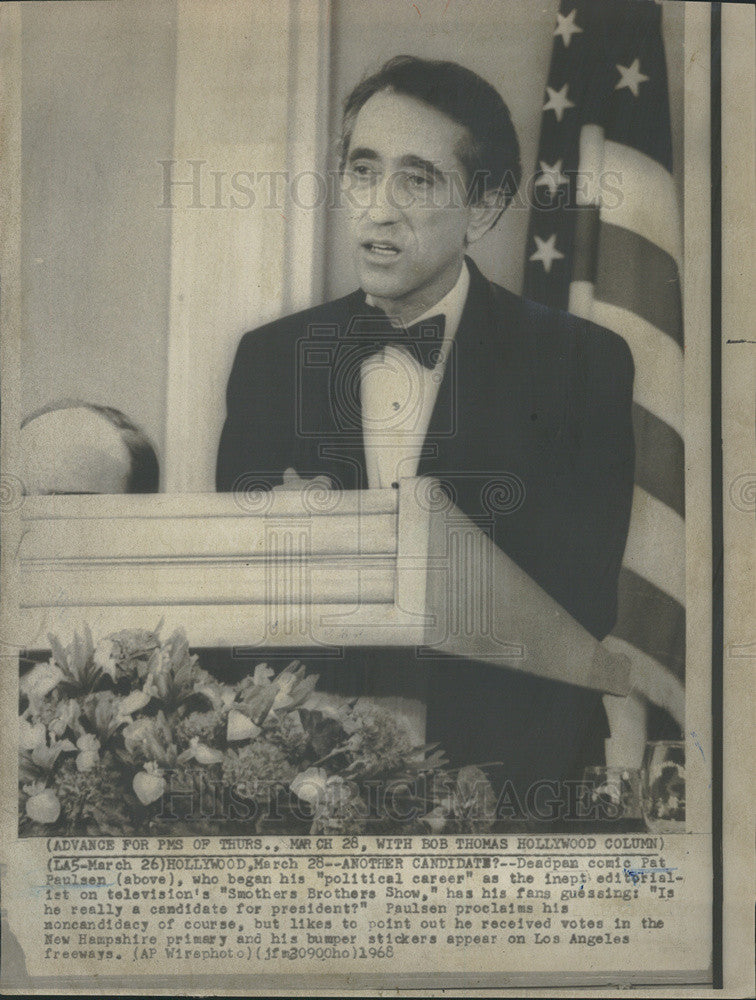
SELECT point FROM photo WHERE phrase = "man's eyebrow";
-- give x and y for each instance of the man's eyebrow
(421, 164)
(362, 153)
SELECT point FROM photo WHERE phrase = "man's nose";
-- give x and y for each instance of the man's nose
(384, 207)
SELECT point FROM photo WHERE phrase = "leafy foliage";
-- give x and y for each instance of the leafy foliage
(132, 735)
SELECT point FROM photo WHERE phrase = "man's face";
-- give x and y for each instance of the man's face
(408, 214)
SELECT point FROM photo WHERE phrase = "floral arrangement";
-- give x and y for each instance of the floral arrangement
(132, 736)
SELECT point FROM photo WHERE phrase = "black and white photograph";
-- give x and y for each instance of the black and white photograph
(362, 392)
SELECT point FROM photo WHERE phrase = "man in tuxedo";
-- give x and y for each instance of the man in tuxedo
(430, 369)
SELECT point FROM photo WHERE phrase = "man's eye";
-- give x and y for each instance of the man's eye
(419, 181)
(362, 170)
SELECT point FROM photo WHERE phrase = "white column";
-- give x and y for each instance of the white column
(240, 95)
(311, 188)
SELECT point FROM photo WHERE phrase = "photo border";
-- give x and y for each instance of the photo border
(720, 787)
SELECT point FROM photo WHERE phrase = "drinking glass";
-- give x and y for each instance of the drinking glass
(614, 792)
(664, 786)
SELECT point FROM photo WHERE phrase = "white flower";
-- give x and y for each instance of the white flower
(33, 788)
(158, 676)
(143, 736)
(41, 680)
(240, 727)
(89, 747)
(204, 754)
(148, 784)
(310, 785)
(104, 657)
(149, 688)
(436, 819)
(87, 760)
(262, 674)
(220, 695)
(43, 807)
(31, 736)
(44, 756)
(283, 695)
(66, 714)
(133, 703)
(161, 665)
(228, 695)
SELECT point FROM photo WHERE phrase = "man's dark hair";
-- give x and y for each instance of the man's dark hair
(144, 475)
(490, 153)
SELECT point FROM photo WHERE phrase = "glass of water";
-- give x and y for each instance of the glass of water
(664, 786)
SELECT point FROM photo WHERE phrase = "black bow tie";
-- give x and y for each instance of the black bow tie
(422, 340)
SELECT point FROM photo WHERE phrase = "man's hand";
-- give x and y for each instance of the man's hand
(292, 481)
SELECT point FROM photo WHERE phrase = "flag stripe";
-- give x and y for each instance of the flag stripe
(659, 459)
(586, 248)
(652, 621)
(649, 676)
(591, 166)
(656, 544)
(637, 275)
(580, 301)
(660, 451)
(658, 362)
(638, 193)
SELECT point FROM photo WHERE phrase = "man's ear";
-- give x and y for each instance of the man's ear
(485, 214)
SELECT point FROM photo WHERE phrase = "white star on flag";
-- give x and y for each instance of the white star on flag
(631, 77)
(552, 177)
(547, 252)
(558, 102)
(566, 27)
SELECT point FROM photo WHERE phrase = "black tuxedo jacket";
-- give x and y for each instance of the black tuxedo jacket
(534, 400)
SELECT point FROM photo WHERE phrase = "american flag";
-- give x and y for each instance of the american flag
(605, 243)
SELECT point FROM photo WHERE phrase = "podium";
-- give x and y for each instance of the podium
(310, 568)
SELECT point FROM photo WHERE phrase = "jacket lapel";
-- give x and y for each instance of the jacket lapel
(472, 397)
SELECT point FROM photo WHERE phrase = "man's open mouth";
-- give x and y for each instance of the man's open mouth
(381, 247)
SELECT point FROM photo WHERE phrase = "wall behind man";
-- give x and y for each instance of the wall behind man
(108, 276)
(97, 95)
(507, 42)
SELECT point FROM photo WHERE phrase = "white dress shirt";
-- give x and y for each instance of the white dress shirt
(398, 396)
(399, 393)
